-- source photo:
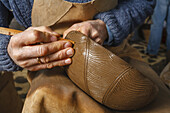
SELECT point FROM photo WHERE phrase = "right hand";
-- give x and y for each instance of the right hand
(24, 50)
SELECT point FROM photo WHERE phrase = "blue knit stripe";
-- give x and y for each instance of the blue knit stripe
(6, 63)
(6, 3)
(126, 17)
(22, 11)
(78, 1)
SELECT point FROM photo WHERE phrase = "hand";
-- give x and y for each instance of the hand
(95, 29)
(24, 50)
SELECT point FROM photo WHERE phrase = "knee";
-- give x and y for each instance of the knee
(132, 91)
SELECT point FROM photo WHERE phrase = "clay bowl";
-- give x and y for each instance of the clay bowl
(106, 77)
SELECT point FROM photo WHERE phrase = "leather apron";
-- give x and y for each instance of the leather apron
(60, 19)
(60, 14)
(67, 13)
(10, 102)
(53, 92)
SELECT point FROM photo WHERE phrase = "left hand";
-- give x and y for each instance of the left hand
(95, 29)
(25, 51)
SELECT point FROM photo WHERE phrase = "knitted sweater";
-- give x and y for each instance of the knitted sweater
(120, 21)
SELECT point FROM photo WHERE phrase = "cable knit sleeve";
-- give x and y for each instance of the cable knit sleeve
(6, 63)
(125, 17)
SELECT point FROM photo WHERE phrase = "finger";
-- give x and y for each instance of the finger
(94, 34)
(99, 41)
(44, 29)
(35, 51)
(33, 36)
(63, 54)
(85, 31)
(50, 65)
(68, 30)
(48, 30)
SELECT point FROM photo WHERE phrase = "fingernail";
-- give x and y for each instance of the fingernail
(68, 44)
(53, 38)
(68, 61)
(56, 34)
(70, 52)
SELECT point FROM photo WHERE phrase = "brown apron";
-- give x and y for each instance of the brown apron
(60, 15)
(10, 102)
(52, 91)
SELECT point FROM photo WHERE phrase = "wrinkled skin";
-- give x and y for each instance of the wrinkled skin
(95, 29)
(24, 48)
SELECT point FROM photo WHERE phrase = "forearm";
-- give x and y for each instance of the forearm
(6, 63)
(125, 17)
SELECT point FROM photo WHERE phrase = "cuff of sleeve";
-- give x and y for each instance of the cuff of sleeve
(110, 39)
(6, 63)
(113, 26)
